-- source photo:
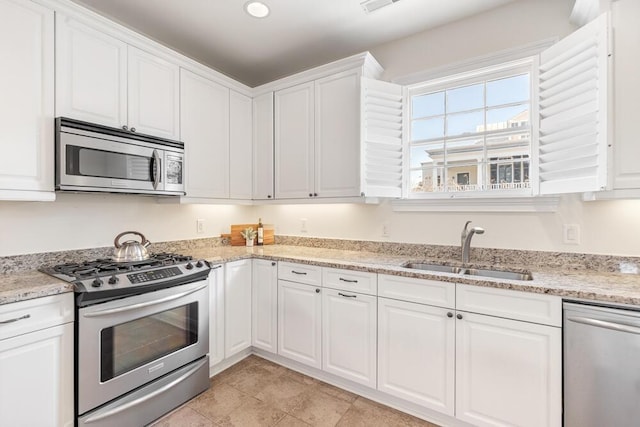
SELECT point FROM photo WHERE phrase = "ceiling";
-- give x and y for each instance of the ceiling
(297, 35)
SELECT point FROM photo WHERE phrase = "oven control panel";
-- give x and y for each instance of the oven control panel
(151, 275)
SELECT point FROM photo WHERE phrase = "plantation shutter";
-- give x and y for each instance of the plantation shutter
(573, 133)
(382, 145)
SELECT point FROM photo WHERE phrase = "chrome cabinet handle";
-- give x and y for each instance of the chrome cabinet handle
(299, 272)
(133, 129)
(459, 316)
(273, 263)
(449, 314)
(347, 295)
(143, 304)
(317, 291)
(136, 402)
(348, 280)
(26, 316)
(125, 127)
(605, 324)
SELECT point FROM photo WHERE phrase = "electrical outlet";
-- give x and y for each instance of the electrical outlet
(199, 226)
(303, 225)
(571, 234)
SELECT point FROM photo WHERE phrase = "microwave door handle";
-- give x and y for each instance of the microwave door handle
(156, 168)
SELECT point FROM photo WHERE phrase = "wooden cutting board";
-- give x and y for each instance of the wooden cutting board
(236, 238)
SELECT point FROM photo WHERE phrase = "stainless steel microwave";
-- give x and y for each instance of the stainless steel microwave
(92, 157)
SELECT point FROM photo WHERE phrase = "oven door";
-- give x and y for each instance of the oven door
(125, 343)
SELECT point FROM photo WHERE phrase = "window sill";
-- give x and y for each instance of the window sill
(480, 204)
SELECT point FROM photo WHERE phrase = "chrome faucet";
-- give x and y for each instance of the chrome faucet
(465, 240)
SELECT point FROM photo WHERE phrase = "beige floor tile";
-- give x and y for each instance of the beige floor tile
(283, 393)
(252, 413)
(266, 364)
(289, 421)
(218, 402)
(183, 417)
(364, 412)
(301, 378)
(345, 395)
(252, 378)
(319, 409)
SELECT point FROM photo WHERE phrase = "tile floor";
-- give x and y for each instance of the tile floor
(256, 392)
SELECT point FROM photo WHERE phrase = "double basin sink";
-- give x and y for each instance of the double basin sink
(480, 272)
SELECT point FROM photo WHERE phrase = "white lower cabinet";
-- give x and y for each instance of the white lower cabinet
(300, 322)
(507, 372)
(416, 353)
(237, 307)
(36, 362)
(264, 305)
(216, 315)
(349, 335)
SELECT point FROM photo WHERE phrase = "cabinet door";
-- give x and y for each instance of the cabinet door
(294, 134)
(349, 335)
(237, 307)
(265, 305)
(26, 109)
(507, 372)
(299, 323)
(37, 378)
(153, 95)
(91, 74)
(337, 135)
(216, 315)
(263, 147)
(204, 116)
(416, 353)
(240, 146)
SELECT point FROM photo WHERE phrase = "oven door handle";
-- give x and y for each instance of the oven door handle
(141, 400)
(143, 304)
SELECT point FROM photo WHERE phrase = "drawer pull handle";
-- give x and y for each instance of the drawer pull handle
(347, 296)
(26, 316)
(348, 280)
(299, 272)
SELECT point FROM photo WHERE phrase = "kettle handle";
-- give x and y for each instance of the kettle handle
(144, 241)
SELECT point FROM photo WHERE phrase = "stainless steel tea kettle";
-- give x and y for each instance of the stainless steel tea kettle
(131, 250)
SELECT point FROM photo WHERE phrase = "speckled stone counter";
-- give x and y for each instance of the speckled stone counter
(592, 285)
(28, 285)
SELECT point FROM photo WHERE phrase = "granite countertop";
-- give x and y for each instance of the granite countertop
(588, 285)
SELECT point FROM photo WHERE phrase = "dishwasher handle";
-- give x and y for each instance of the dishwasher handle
(605, 324)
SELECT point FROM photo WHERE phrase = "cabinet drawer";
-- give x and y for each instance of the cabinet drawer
(527, 306)
(35, 314)
(356, 281)
(301, 273)
(421, 291)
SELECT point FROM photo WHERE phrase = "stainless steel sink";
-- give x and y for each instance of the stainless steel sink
(497, 274)
(481, 272)
(432, 267)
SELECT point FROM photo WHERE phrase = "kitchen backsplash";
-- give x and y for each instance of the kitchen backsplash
(481, 256)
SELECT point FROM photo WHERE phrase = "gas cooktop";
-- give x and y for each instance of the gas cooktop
(105, 278)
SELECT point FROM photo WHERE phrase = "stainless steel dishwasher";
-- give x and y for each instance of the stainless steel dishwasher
(601, 366)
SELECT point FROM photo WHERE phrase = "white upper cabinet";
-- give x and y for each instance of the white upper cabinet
(91, 74)
(240, 146)
(204, 116)
(101, 79)
(263, 147)
(154, 91)
(27, 109)
(337, 135)
(294, 142)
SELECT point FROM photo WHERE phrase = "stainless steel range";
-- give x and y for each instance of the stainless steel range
(141, 336)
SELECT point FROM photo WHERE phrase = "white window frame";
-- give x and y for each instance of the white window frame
(497, 71)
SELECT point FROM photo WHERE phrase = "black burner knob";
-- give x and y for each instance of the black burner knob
(189, 266)
(113, 280)
(96, 283)
(199, 264)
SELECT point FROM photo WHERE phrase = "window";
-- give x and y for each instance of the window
(471, 133)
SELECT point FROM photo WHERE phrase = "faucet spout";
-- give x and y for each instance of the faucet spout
(465, 240)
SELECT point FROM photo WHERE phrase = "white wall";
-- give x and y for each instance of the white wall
(80, 221)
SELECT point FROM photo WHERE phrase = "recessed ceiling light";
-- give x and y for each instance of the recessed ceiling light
(257, 9)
